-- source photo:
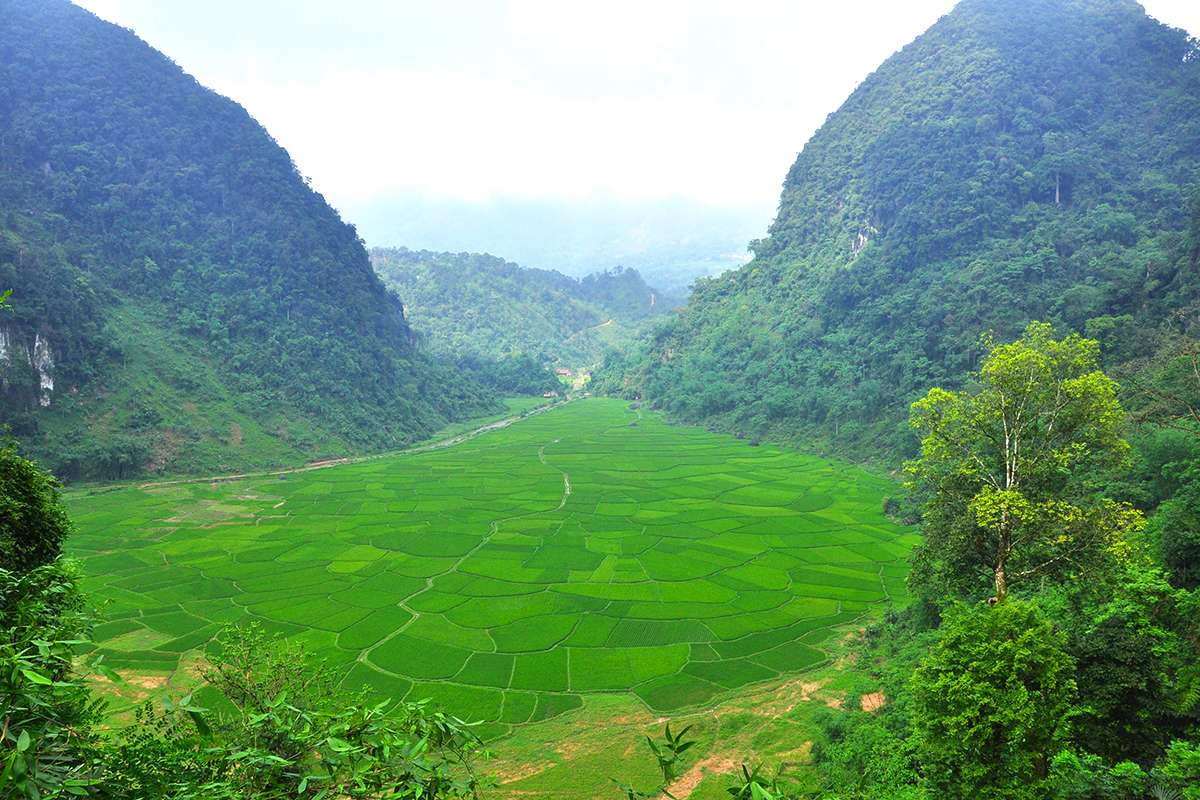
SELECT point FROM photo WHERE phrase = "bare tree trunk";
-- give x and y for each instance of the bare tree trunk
(1001, 576)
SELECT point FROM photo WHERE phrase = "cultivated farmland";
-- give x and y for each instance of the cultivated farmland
(592, 548)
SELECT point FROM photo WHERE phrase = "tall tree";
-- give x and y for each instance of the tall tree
(46, 716)
(1176, 530)
(1166, 386)
(1001, 468)
(33, 523)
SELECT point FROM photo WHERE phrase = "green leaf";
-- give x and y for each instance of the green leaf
(199, 721)
(36, 677)
(107, 672)
(23, 742)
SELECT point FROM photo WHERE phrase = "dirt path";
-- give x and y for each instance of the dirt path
(493, 527)
(604, 324)
(333, 462)
(566, 477)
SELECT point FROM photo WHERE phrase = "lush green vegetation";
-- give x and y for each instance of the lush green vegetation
(669, 241)
(1081, 683)
(282, 728)
(587, 549)
(470, 304)
(129, 192)
(166, 406)
(513, 407)
(1003, 469)
(1079, 677)
(1019, 161)
(589, 568)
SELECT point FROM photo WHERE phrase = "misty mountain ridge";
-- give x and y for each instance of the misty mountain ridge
(671, 242)
(1021, 160)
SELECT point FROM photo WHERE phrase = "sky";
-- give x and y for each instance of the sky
(634, 102)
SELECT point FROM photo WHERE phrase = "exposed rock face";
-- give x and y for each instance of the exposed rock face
(43, 363)
(17, 355)
(865, 234)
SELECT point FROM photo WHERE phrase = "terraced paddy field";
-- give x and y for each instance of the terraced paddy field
(590, 549)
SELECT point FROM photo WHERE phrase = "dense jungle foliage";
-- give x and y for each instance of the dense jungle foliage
(1078, 677)
(1021, 160)
(1053, 648)
(479, 305)
(127, 190)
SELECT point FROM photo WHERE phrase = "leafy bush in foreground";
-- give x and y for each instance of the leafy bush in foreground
(281, 728)
(279, 725)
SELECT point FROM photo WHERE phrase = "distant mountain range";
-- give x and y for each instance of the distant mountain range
(467, 304)
(670, 243)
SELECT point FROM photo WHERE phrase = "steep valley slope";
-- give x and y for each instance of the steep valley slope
(182, 299)
(1021, 160)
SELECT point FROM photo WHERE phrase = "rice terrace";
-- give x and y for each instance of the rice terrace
(589, 549)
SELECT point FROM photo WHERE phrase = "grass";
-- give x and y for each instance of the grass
(166, 381)
(512, 407)
(772, 721)
(680, 566)
(168, 403)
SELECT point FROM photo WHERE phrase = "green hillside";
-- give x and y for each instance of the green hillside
(472, 303)
(137, 206)
(986, 263)
(1023, 159)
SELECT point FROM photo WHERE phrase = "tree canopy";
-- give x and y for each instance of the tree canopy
(472, 304)
(1021, 160)
(993, 703)
(1001, 465)
(33, 524)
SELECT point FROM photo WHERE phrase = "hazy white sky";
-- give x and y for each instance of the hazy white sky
(634, 100)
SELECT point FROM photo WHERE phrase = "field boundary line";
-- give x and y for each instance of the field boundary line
(337, 462)
(493, 528)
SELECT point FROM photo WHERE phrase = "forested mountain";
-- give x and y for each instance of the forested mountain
(1023, 159)
(181, 297)
(471, 303)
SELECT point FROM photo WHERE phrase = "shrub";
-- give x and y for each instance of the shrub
(33, 523)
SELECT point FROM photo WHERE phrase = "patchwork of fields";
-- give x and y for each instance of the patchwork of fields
(591, 548)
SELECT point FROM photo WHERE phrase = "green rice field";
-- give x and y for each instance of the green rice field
(588, 549)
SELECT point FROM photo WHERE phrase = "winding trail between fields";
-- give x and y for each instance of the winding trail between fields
(336, 462)
(763, 692)
(566, 477)
(364, 655)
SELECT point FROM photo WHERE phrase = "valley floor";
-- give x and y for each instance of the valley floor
(568, 580)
